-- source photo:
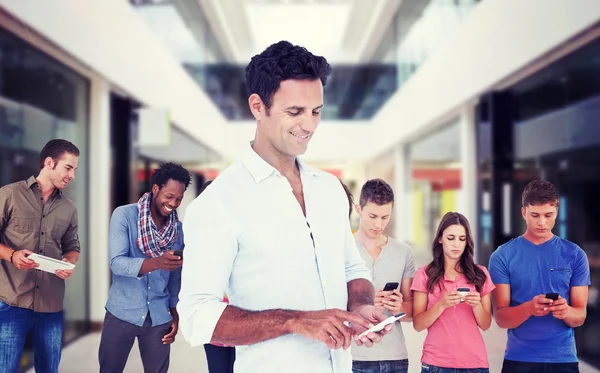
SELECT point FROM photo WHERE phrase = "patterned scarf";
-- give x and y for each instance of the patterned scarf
(151, 241)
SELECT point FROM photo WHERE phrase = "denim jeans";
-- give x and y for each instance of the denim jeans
(510, 366)
(427, 368)
(382, 366)
(15, 324)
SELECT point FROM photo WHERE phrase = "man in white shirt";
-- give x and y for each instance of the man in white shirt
(273, 233)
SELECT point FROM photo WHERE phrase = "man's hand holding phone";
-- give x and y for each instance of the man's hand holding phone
(393, 301)
(540, 305)
(168, 261)
(328, 326)
(390, 298)
(374, 315)
(559, 306)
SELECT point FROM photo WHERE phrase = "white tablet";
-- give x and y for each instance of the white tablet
(48, 264)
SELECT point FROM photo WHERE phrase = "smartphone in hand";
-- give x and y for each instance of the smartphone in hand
(463, 292)
(391, 286)
(553, 296)
(178, 253)
(383, 324)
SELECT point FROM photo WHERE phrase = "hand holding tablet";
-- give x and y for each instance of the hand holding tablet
(48, 264)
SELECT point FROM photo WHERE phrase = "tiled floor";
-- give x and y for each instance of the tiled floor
(82, 356)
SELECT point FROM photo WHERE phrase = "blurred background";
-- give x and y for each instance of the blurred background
(456, 103)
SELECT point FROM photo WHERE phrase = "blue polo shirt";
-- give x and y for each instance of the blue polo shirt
(552, 267)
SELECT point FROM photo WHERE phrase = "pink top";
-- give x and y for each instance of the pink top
(454, 339)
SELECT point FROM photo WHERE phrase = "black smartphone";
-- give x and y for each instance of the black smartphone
(179, 253)
(391, 286)
(461, 291)
(553, 296)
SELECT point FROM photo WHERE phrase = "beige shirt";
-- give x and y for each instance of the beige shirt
(48, 229)
(395, 263)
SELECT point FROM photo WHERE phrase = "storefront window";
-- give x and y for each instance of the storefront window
(41, 99)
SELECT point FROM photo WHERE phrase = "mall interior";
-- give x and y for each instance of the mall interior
(444, 99)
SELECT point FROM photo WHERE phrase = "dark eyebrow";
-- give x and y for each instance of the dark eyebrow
(300, 108)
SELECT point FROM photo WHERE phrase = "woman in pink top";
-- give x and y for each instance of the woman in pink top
(452, 318)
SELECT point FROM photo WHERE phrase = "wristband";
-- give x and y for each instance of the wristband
(11, 255)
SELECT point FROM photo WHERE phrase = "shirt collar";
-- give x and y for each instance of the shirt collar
(33, 181)
(260, 169)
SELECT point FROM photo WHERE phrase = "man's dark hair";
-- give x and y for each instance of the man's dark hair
(377, 191)
(540, 192)
(282, 61)
(170, 171)
(55, 149)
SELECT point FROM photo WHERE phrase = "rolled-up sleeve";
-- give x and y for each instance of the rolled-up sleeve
(210, 250)
(70, 240)
(121, 263)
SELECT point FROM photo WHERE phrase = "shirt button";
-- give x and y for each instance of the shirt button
(42, 233)
(37, 286)
(148, 287)
(43, 216)
(143, 317)
(148, 302)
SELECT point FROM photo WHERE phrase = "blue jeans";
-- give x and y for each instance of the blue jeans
(426, 368)
(510, 366)
(15, 324)
(382, 366)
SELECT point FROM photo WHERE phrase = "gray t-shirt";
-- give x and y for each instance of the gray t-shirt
(395, 263)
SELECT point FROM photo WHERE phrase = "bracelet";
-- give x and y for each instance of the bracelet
(11, 255)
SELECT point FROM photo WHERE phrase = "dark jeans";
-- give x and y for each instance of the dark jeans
(219, 359)
(15, 324)
(510, 366)
(118, 337)
(426, 368)
(382, 366)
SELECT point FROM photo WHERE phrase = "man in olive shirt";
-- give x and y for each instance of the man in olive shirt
(35, 217)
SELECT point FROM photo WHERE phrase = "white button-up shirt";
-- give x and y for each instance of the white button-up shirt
(246, 236)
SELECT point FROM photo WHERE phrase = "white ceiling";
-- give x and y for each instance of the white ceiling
(317, 25)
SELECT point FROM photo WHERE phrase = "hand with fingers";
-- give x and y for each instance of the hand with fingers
(540, 305)
(393, 301)
(559, 308)
(20, 259)
(374, 315)
(380, 296)
(64, 273)
(168, 261)
(473, 299)
(170, 337)
(329, 326)
(450, 299)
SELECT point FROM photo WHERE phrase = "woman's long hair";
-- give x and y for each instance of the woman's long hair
(466, 265)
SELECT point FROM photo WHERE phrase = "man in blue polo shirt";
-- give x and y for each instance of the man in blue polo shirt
(524, 270)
